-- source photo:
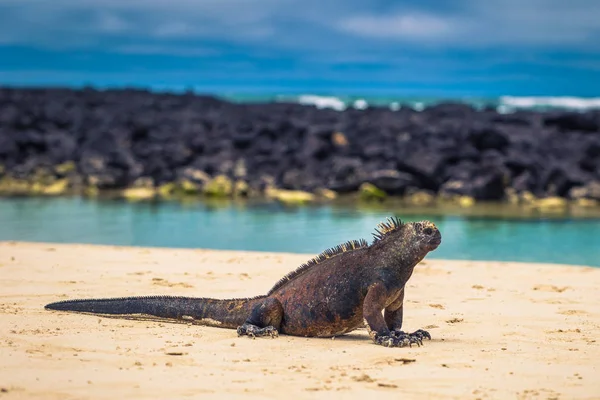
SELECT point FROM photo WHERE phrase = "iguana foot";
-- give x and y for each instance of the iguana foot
(421, 334)
(393, 340)
(253, 331)
(415, 337)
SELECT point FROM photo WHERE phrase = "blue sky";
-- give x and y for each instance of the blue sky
(424, 47)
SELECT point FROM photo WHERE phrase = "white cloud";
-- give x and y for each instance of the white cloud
(406, 26)
(111, 23)
(157, 49)
(328, 28)
(86, 23)
(174, 29)
(479, 23)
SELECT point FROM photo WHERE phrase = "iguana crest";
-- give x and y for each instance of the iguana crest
(392, 224)
(332, 252)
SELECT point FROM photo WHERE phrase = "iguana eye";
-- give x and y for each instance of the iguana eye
(428, 231)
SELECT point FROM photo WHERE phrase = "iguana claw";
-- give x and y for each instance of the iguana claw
(421, 334)
(253, 331)
(403, 339)
(392, 341)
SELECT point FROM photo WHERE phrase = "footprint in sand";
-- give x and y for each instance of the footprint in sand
(550, 288)
(164, 282)
(572, 312)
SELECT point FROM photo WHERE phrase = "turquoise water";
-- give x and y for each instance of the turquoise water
(271, 227)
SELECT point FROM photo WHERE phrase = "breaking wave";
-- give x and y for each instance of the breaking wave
(573, 103)
(322, 101)
(503, 104)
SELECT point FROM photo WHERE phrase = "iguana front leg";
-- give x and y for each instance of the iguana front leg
(379, 331)
(393, 318)
(265, 320)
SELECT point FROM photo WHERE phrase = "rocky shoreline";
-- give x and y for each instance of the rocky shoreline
(143, 145)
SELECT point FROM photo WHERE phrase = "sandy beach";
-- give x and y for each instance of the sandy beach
(500, 330)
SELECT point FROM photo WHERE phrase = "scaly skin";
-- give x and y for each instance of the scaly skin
(342, 289)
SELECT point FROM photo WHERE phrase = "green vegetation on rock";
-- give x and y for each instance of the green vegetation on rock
(91, 191)
(167, 190)
(549, 204)
(588, 203)
(138, 193)
(65, 168)
(420, 198)
(12, 186)
(368, 191)
(219, 186)
(56, 188)
(241, 188)
(291, 197)
(326, 194)
(186, 187)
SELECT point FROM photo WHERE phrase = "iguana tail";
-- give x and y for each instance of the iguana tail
(229, 313)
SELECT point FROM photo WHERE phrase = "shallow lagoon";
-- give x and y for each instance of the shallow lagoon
(273, 227)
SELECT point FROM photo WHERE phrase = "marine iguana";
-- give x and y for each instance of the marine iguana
(334, 293)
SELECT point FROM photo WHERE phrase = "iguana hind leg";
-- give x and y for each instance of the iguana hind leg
(265, 320)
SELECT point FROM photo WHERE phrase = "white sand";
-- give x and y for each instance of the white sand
(500, 330)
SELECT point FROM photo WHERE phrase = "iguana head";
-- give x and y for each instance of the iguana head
(411, 239)
(427, 234)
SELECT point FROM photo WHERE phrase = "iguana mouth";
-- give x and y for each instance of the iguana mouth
(435, 241)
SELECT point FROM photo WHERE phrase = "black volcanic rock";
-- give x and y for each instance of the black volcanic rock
(391, 181)
(114, 137)
(573, 121)
(425, 164)
(489, 137)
